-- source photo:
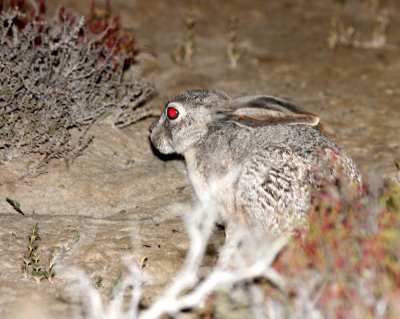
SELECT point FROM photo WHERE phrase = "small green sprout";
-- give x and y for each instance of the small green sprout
(98, 281)
(116, 286)
(31, 261)
(38, 276)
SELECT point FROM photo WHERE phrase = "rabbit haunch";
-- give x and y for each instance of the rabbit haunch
(274, 150)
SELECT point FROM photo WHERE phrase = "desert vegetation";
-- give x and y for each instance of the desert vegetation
(345, 33)
(343, 265)
(60, 76)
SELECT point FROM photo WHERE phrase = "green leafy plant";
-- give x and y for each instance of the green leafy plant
(32, 266)
(98, 281)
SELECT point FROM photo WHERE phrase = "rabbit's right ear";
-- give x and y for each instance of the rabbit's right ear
(261, 110)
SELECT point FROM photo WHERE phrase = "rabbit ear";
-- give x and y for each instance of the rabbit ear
(254, 111)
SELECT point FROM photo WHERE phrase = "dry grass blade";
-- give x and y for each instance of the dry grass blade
(15, 204)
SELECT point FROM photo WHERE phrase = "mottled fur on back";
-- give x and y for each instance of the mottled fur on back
(276, 148)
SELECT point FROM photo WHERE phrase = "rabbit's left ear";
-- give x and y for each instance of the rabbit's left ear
(254, 111)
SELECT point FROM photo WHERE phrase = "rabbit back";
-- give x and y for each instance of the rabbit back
(278, 166)
(272, 193)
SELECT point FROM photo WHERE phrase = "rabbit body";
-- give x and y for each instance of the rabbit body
(277, 163)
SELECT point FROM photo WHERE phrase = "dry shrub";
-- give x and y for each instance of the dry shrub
(347, 264)
(346, 30)
(100, 20)
(58, 77)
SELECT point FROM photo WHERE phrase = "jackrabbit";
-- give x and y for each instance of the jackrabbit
(278, 150)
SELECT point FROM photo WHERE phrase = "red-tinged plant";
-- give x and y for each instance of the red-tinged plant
(57, 79)
(100, 21)
(100, 24)
(353, 247)
(33, 10)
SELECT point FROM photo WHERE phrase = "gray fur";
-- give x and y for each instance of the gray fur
(279, 153)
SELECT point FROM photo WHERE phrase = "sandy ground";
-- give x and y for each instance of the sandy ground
(122, 200)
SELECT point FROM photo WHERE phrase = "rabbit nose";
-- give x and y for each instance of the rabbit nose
(153, 125)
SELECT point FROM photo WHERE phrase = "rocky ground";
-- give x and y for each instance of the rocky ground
(123, 200)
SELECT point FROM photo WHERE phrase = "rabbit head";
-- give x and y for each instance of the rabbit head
(184, 120)
(188, 117)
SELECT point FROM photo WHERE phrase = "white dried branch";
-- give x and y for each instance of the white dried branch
(188, 290)
(227, 272)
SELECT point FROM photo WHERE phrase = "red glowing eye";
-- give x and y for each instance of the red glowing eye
(172, 113)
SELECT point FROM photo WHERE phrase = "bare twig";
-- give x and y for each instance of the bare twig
(15, 204)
